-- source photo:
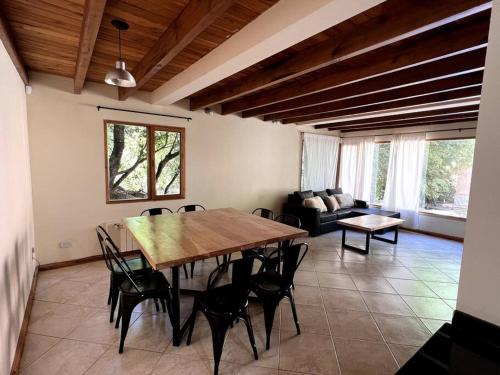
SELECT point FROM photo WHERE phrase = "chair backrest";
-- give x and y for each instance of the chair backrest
(191, 208)
(102, 236)
(289, 219)
(242, 269)
(118, 260)
(292, 256)
(156, 211)
(264, 212)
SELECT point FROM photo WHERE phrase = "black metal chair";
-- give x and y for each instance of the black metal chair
(222, 305)
(264, 212)
(138, 266)
(156, 211)
(272, 286)
(161, 211)
(192, 208)
(135, 289)
(271, 256)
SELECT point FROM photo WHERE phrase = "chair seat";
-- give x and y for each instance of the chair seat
(154, 282)
(135, 264)
(268, 281)
(223, 300)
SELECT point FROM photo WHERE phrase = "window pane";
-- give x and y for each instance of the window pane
(379, 174)
(167, 162)
(448, 176)
(127, 162)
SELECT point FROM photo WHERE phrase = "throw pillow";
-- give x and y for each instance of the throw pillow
(331, 203)
(315, 202)
(345, 200)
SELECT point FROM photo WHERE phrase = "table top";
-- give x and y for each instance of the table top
(370, 223)
(173, 239)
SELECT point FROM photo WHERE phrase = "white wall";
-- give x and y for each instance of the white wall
(230, 162)
(16, 210)
(480, 275)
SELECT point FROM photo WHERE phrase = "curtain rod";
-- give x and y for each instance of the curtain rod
(144, 113)
(429, 131)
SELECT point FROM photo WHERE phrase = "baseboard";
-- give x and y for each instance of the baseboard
(75, 262)
(16, 364)
(434, 234)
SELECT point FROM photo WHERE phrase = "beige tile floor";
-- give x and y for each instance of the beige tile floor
(359, 315)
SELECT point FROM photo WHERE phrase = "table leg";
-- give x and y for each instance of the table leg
(394, 241)
(343, 237)
(176, 310)
(351, 247)
(367, 245)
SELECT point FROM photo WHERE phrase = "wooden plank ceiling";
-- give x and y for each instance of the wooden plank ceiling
(399, 54)
(48, 33)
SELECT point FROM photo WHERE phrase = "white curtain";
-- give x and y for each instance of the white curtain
(356, 165)
(405, 176)
(320, 153)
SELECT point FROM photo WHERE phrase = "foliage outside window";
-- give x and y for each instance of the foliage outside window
(448, 177)
(143, 162)
(379, 171)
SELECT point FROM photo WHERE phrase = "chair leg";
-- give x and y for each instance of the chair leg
(294, 311)
(185, 270)
(269, 310)
(219, 328)
(128, 303)
(218, 261)
(192, 319)
(115, 295)
(162, 301)
(119, 316)
(156, 304)
(246, 318)
(192, 269)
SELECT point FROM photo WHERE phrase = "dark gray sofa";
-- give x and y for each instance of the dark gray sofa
(319, 223)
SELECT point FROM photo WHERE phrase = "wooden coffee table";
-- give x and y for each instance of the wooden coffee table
(369, 224)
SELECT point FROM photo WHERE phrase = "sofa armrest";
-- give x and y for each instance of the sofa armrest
(360, 204)
(309, 217)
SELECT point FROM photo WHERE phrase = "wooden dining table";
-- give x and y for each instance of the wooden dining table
(171, 240)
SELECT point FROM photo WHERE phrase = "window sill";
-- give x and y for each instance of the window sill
(445, 216)
(427, 213)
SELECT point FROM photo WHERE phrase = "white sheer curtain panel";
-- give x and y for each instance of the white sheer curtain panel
(405, 176)
(320, 153)
(356, 165)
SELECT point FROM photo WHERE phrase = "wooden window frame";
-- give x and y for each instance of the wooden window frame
(151, 179)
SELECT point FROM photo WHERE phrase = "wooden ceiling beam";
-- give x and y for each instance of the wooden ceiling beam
(466, 34)
(194, 19)
(403, 123)
(402, 19)
(92, 17)
(434, 70)
(392, 96)
(443, 122)
(404, 116)
(8, 42)
(433, 98)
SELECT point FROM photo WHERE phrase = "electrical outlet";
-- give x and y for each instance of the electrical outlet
(65, 244)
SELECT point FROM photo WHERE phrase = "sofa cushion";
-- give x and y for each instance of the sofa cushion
(343, 213)
(345, 200)
(315, 202)
(331, 203)
(334, 191)
(304, 194)
(326, 217)
(376, 211)
(323, 194)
